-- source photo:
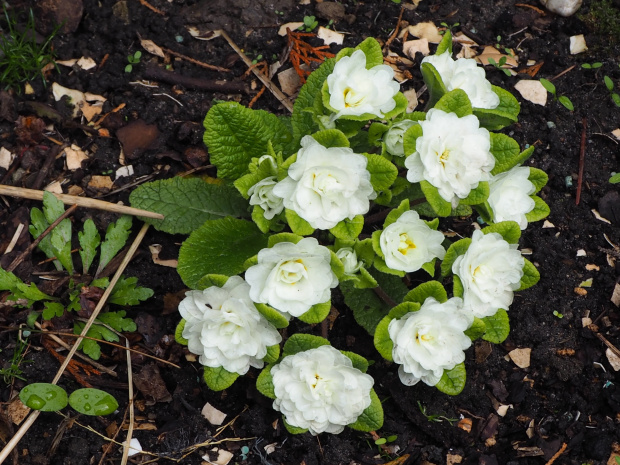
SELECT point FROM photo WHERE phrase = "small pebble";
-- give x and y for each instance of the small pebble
(568, 180)
(179, 39)
(550, 124)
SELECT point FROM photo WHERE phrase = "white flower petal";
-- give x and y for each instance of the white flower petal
(510, 196)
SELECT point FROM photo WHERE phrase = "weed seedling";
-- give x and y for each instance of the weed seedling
(310, 23)
(591, 65)
(498, 65)
(21, 57)
(615, 178)
(435, 417)
(610, 87)
(133, 60)
(448, 27)
(563, 99)
(13, 370)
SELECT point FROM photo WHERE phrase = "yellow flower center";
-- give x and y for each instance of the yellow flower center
(406, 244)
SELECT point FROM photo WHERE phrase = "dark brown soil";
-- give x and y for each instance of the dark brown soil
(569, 395)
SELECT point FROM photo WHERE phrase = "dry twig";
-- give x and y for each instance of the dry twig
(302, 51)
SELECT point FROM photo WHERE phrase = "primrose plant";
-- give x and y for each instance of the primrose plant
(293, 220)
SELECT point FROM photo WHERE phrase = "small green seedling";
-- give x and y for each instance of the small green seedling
(13, 370)
(381, 441)
(615, 178)
(133, 60)
(435, 417)
(558, 314)
(610, 87)
(257, 59)
(51, 398)
(310, 23)
(448, 27)
(499, 65)
(596, 65)
(563, 99)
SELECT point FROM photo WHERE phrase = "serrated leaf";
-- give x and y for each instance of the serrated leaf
(440, 206)
(425, 290)
(455, 101)
(348, 229)
(178, 333)
(126, 293)
(452, 381)
(264, 382)
(118, 321)
(476, 330)
(317, 313)
(539, 178)
(331, 138)
(219, 247)
(383, 173)
(60, 237)
(89, 241)
(509, 230)
(38, 224)
(235, 134)
(272, 315)
(300, 342)
(371, 419)
(218, 379)
(370, 47)
(30, 292)
(506, 151)
(497, 327)
(187, 203)
(115, 239)
(530, 275)
(297, 224)
(457, 248)
(541, 210)
(433, 81)
(52, 309)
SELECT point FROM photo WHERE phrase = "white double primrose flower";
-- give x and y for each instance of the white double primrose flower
(453, 154)
(320, 390)
(409, 243)
(326, 185)
(490, 271)
(355, 90)
(225, 329)
(429, 341)
(465, 74)
(510, 196)
(393, 138)
(261, 194)
(348, 257)
(292, 277)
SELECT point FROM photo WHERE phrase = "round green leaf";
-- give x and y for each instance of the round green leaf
(509, 230)
(331, 138)
(441, 206)
(371, 419)
(457, 248)
(297, 224)
(497, 327)
(383, 173)
(455, 101)
(452, 381)
(178, 333)
(476, 330)
(272, 315)
(300, 342)
(264, 382)
(218, 379)
(317, 313)
(44, 396)
(347, 229)
(93, 402)
(530, 275)
(425, 290)
(382, 341)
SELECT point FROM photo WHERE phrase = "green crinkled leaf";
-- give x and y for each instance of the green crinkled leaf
(376, 132)
(410, 137)
(455, 101)
(300, 342)
(539, 178)
(302, 121)
(283, 237)
(293, 429)
(272, 315)
(425, 290)
(186, 203)
(337, 265)
(89, 241)
(429, 267)
(350, 128)
(497, 327)
(273, 353)
(457, 248)
(118, 321)
(258, 216)
(235, 134)
(530, 275)
(509, 230)
(399, 108)
(178, 333)
(264, 382)
(478, 195)
(476, 330)
(383, 173)
(52, 309)
(209, 280)
(126, 293)
(218, 379)
(115, 239)
(446, 44)
(371, 419)
(432, 79)
(297, 224)
(505, 114)
(424, 209)
(441, 206)
(317, 313)
(89, 346)
(452, 381)
(370, 47)
(541, 210)
(396, 213)
(219, 247)
(331, 138)
(349, 229)
(358, 361)
(506, 151)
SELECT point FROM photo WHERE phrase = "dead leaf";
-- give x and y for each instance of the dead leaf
(155, 251)
(150, 383)
(548, 224)
(6, 158)
(54, 187)
(213, 415)
(613, 359)
(616, 133)
(17, 411)
(598, 216)
(152, 48)
(426, 30)
(124, 171)
(203, 34)
(292, 26)
(329, 36)
(503, 409)
(492, 52)
(289, 81)
(83, 62)
(223, 457)
(533, 69)
(520, 357)
(412, 98)
(615, 297)
(74, 156)
(411, 47)
(101, 182)
(533, 91)
(452, 459)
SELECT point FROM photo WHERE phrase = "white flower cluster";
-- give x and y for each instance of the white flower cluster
(225, 329)
(466, 75)
(320, 390)
(431, 340)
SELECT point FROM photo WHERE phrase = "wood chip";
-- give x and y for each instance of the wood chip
(503, 409)
(101, 182)
(74, 156)
(592, 267)
(17, 411)
(598, 216)
(54, 187)
(6, 158)
(615, 297)
(289, 81)
(412, 98)
(533, 91)
(585, 322)
(223, 457)
(213, 415)
(411, 47)
(155, 250)
(581, 253)
(452, 459)
(520, 357)
(329, 36)
(580, 291)
(613, 359)
(152, 48)
(548, 224)
(293, 26)
(616, 133)
(426, 30)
